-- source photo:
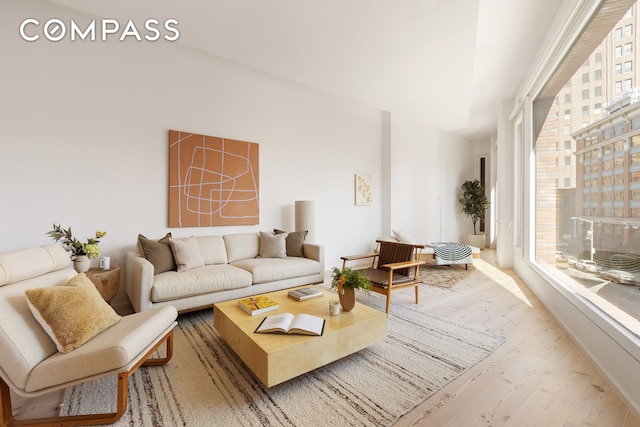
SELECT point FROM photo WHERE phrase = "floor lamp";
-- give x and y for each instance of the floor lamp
(305, 211)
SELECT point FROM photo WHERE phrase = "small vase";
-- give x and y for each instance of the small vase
(347, 299)
(82, 263)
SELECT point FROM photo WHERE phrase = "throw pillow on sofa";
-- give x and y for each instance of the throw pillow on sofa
(272, 245)
(294, 241)
(241, 246)
(71, 314)
(158, 253)
(186, 253)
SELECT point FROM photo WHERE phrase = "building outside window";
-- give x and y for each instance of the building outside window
(628, 30)
(597, 108)
(595, 215)
(628, 66)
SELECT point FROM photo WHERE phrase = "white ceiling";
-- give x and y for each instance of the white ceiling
(446, 63)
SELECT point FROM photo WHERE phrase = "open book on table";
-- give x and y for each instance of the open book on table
(287, 323)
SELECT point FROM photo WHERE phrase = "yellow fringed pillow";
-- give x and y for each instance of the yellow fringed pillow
(71, 314)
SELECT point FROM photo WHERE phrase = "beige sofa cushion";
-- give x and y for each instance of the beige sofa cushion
(294, 241)
(272, 245)
(204, 280)
(241, 245)
(212, 249)
(71, 314)
(158, 253)
(272, 269)
(186, 253)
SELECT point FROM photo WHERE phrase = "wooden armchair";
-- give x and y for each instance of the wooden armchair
(390, 267)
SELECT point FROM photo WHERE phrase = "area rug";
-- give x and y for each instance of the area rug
(205, 384)
(444, 276)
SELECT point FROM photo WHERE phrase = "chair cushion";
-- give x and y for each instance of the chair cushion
(71, 314)
(23, 264)
(380, 278)
(115, 349)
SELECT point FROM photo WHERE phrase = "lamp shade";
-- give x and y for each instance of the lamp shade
(305, 212)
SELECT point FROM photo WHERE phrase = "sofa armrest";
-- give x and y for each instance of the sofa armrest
(315, 252)
(139, 281)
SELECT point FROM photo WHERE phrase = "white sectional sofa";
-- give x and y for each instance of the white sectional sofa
(210, 269)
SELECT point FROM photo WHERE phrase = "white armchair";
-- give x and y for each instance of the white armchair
(30, 363)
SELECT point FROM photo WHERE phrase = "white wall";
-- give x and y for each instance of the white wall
(455, 165)
(85, 129)
(504, 187)
(84, 143)
(414, 203)
(426, 168)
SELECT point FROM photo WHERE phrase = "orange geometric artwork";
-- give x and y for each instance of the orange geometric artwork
(212, 181)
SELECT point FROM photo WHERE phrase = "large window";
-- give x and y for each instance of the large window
(587, 232)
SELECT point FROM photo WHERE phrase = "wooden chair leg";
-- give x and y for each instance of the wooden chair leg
(389, 285)
(5, 403)
(71, 420)
(168, 352)
(90, 419)
(416, 293)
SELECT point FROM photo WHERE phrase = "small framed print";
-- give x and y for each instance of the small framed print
(363, 190)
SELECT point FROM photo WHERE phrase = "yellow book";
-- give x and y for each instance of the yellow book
(257, 305)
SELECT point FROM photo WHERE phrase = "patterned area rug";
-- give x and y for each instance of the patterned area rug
(444, 276)
(206, 385)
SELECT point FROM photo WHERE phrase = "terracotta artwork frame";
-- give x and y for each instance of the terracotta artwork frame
(212, 181)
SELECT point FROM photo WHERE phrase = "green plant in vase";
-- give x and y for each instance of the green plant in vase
(347, 281)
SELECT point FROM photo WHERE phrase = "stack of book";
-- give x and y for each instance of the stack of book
(304, 294)
(257, 305)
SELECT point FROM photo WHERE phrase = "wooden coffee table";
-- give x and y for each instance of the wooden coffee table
(275, 358)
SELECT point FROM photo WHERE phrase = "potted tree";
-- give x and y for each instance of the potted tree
(474, 203)
(347, 281)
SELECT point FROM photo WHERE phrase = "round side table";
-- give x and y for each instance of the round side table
(107, 282)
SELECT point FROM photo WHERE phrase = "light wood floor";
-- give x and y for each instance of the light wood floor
(538, 377)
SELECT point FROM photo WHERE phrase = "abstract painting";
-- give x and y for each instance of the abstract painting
(363, 190)
(212, 181)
